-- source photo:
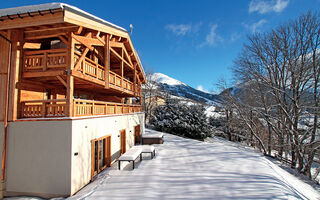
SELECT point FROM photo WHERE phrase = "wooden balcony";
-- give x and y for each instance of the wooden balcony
(56, 108)
(92, 69)
(54, 62)
(45, 59)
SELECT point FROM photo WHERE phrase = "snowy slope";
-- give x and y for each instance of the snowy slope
(179, 89)
(190, 169)
(164, 79)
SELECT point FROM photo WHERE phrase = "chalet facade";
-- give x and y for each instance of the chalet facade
(70, 98)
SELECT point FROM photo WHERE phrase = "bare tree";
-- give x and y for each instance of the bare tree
(150, 92)
(282, 68)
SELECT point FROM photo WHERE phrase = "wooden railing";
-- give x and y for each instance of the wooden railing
(45, 59)
(43, 108)
(88, 107)
(57, 107)
(90, 68)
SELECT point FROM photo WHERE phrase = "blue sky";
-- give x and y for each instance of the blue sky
(192, 41)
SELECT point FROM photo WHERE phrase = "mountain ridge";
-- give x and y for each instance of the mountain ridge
(180, 89)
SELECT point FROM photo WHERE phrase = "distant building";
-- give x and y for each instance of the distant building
(68, 80)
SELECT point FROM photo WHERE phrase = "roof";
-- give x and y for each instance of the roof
(32, 10)
(54, 6)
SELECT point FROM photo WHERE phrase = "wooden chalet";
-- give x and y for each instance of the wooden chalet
(70, 98)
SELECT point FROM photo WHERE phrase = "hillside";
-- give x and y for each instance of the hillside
(178, 89)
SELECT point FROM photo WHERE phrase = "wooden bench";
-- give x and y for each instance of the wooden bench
(147, 149)
(130, 156)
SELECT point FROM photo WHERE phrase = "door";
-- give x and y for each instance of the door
(108, 151)
(100, 154)
(94, 158)
(122, 141)
(137, 134)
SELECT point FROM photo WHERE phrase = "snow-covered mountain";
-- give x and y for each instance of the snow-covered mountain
(179, 89)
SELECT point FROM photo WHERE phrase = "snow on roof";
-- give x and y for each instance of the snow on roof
(53, 6)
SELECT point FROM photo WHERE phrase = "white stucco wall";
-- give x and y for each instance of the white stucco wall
(41, 158)
(83, 131)
(1, 143)
(39, 154)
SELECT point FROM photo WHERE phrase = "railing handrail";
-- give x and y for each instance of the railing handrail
(45, 101)
(104, 102)
(115, 74)
(36, 52)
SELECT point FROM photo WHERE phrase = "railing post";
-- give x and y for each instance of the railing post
(92, 108)
(83, 63)
(43, 109)
(74, 108)
(45, 64)
(22, 110)
(97, 67)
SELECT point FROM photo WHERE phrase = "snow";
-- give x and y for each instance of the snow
(52, 6)
(164, 79)
(190, 169)
(210, 112)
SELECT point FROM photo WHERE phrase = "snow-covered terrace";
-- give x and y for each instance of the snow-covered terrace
(190, 169)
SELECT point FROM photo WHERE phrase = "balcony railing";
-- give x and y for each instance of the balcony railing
(87, 108)
(43, 108)
(56, 108)
(92, 69)
(45, 59)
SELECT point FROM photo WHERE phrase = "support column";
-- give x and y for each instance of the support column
(16, 63)
(121, 68)
(70, 78)
(135, 79)
(107, 60)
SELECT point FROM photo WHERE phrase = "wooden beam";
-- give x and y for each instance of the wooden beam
(101, 40)
(55, 28)
(107, 60)
(88, 42)
(115, 44)
(120, 57)
(32, 21)
(126, 53)
(32, 85)
(122, 60)
(47, 33)
(16, 64)
(70, 78)
(63, 39)
(62, 81)
(81, 58)
(78, 32)
(43, 74)
(135, 79)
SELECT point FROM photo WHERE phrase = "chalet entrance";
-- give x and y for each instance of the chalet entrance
(122, 141)
(100, 154)
(137, 134)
